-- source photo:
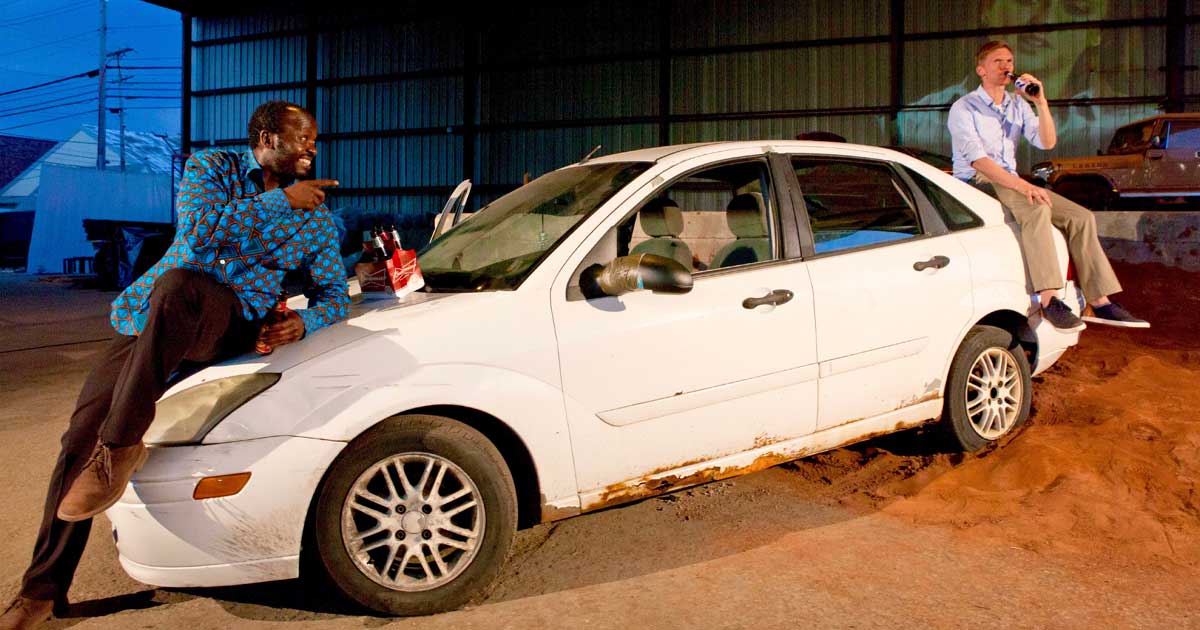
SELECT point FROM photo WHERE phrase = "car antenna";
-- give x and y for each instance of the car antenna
(590, 154)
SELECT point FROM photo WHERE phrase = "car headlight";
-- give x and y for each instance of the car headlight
(188, 416)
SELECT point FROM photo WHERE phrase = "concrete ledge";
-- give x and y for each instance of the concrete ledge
(1170, 238)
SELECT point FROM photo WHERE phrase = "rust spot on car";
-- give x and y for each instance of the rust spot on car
(916, 400)
(657, 482)
(555, 512)
(763, 440)
(649, 485)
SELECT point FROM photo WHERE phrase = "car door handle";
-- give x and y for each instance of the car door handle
(937, 262)
(774, 298)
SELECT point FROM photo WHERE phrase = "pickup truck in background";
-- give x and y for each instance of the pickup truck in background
(1157, 159)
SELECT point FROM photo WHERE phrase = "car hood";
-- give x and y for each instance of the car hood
(1094, 162)
(364, 320)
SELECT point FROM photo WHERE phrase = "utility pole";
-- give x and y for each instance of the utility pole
(117, 54)
(101, 111)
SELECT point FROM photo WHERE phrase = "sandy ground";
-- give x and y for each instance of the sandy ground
(1089, 517)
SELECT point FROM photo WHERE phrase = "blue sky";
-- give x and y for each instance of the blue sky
(45, 40)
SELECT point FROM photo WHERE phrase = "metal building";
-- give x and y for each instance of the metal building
(413, 97)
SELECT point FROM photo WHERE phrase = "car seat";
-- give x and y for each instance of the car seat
(745, 216)
(662, 220)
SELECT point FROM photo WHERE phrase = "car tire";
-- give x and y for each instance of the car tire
(988, 392)
(390, 527)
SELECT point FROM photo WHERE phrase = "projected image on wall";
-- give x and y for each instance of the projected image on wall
(1077, 65)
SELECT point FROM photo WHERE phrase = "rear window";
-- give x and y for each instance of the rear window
(954, 213)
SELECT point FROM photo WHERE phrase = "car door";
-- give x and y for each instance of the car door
(654, 381)
(1175, 167)
(891, 288)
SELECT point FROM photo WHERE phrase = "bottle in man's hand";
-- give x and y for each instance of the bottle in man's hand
(276, 314)
(1031, 89)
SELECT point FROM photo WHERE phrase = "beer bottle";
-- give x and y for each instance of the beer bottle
(381, 251)
(1031, 89)
(277, 313)
(395, 236)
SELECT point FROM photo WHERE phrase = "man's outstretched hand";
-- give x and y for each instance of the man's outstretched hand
(287, 327)
(307, 194)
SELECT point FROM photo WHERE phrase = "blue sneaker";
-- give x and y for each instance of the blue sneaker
(1112, 314)
(1060, 316)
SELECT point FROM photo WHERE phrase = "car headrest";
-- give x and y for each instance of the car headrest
(745, 216)
(661, 217)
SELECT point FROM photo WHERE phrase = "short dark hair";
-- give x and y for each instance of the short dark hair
(987, 48)
(269, 117)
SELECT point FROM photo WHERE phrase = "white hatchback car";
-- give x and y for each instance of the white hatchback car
(615, 329)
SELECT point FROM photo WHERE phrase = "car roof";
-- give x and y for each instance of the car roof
(1181, 116)
(655, 154)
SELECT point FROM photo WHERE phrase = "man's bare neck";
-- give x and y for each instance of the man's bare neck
(270, 179)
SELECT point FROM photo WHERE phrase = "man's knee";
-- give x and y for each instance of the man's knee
(174, 285)
(1038, 215)
(173, 280)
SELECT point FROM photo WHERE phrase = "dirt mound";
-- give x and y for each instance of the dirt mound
(1109, 463)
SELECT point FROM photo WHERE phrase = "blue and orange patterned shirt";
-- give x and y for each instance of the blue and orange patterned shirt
(246, 239)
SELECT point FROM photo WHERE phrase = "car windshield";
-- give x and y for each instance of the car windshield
(504, 242)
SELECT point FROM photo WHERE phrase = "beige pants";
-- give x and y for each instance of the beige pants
(1092, 269)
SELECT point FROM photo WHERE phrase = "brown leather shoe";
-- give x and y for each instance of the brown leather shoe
(26, 613)
(102, 481)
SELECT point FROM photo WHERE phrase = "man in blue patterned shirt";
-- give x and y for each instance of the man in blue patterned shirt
(245, 218)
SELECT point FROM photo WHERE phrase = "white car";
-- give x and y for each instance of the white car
(615, 329)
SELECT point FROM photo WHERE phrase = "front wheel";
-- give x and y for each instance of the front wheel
(989, 391)
(416, 516)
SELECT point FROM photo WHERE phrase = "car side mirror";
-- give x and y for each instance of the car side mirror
(1156, 142)
(632, 273)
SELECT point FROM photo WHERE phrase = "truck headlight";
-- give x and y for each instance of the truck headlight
(188, 416)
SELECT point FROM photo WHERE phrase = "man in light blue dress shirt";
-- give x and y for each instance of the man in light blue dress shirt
(985, 127)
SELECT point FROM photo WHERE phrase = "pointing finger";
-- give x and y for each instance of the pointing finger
(325, 183)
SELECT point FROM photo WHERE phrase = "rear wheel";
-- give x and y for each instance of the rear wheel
(416, 516)
(988, 393)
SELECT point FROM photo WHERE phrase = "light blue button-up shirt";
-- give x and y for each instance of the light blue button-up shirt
(979, 128)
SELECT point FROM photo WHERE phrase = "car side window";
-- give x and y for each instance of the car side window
(1184, 135)
(854, 204)
(718, 217)
(954, 213)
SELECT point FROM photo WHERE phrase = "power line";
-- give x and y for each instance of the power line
(81, 113)
(173, 90)
(42, 99)
(47, 91)
(89, 74)
(150, 67)
(11, 113)
(143, 26)
(44, 14)
(44, 44)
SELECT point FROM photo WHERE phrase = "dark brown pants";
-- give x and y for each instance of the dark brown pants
(192, 318)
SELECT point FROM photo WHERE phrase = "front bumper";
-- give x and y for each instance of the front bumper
(167, 538)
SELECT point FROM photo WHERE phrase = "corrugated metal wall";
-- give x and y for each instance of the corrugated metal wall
(409, 104)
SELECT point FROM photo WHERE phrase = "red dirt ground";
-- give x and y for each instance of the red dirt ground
(1107, 465)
